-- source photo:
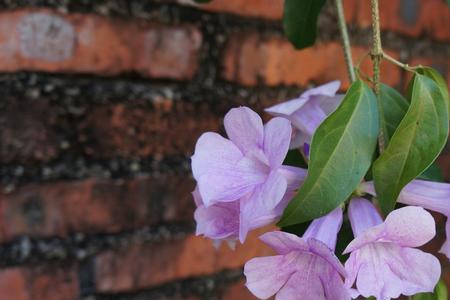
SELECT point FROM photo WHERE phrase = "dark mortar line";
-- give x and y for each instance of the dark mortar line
(205, 287)
(171, 13)
(79, 246)
(78, 168)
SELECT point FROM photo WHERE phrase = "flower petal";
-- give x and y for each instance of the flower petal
(319, 248)
(283, 242)
(218, 221)
(308, 118)
(326, 228)
(445, 249)
(327, 89)
(245, 129)
(305, 282)
(409, 226)
(387, 270)
(266, 275)
(294, 176)
(434, 196)
(329, 104)
(214, 153)
(277, 137)
(287, 108)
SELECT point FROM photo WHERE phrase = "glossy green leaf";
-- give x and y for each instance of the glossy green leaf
(300, 21)
(416, 143)
(438, 79)
(394, 107)
(433, 173)
(440, 293)
(341, 153)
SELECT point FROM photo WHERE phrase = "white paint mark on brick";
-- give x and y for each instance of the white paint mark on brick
(46, 36)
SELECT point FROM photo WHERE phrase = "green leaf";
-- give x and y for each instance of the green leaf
(440, 293)
(433, 173)
(394, 107)
(300, 21)
(416, 143)
(438, 79)
(341, 153)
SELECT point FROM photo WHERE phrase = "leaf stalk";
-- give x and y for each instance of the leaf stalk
(345, 40)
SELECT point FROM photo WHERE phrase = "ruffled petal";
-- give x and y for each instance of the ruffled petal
(277, 137)
(244, 128)
(214, 153)
(386, 270)
(409, 226)
(283, 242)
(266, 275)
(219, 221)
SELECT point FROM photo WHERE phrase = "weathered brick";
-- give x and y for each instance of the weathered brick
(29, 137)
(147, 265)
(268, 9)
(251, 59)
(94, 205)
(39, 283)
(168, 128)
(45, 40)
(237, 291)
(412, 18)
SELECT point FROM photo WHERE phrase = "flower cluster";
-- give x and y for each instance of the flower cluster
(242, 185)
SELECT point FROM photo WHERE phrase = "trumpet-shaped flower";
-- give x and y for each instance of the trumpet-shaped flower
(430, 195)
(233, 220)
(308, 110)
(245, 169)
(383, 261)
(304, 268)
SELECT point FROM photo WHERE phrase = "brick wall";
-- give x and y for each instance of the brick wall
(102, 102)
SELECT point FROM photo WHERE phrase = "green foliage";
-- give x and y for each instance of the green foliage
(394, 107)
(440, 293)
(341, 153)
(300, 21)
(433, 173)
(438, 79)
(415, 144)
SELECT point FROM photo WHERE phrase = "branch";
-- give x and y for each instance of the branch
(345, 41)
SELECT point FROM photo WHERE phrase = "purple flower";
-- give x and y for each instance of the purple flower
(304, 267)
(241, 182)
(383, 261)
(308, 110)
(430, 195)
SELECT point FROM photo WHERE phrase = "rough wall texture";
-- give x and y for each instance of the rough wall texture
(101, 104)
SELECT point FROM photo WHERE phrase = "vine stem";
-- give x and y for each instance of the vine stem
(345, 40)
(377, 55)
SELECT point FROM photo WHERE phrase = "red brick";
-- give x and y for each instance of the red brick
(125, 130)
(94, 205)
(147, 265)
(237, 291)
(429, 17)
(39, 283)
(251, 59)
(268, 9)
(84, 43)
(29, 137)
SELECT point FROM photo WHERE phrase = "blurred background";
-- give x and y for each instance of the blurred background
(101, 103)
